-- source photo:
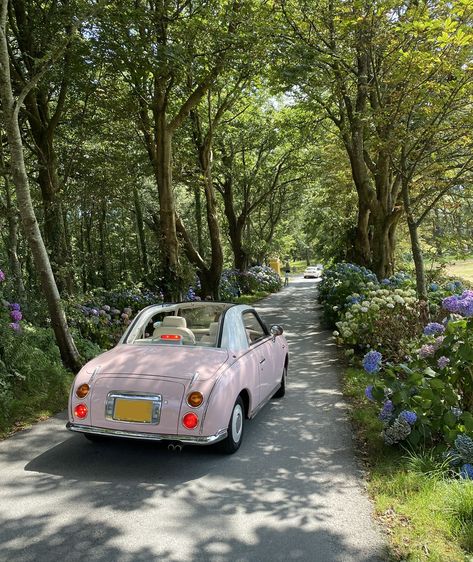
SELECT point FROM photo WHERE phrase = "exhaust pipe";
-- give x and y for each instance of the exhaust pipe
(177, 447)
(171, 447)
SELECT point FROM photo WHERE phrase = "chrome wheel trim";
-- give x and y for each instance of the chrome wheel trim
(237, 423)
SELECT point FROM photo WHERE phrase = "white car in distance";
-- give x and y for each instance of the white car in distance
(313, 271)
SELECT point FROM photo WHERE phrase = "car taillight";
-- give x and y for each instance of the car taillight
(171, 337)
(82, 390)
(81, 411)
(190, 420)
(194, 399)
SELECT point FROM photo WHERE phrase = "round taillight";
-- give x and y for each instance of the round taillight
(82, 390)
(81, 411)
(194, 399)
(190, 420)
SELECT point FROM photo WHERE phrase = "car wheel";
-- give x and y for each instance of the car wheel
(282, 389)
(235, 429)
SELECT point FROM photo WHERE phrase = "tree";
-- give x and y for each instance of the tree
(170, 54)
(352, 61)
(11, 108)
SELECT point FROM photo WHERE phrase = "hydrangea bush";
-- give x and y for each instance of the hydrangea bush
(339, 282)
(103, 315)
(259, 278)
(380, 318)
(428, 399)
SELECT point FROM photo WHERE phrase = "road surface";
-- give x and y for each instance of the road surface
(293, 492)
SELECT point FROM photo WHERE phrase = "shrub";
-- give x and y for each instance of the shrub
(339, 282)
(381, 318)
(434, 387)
(234, 283)
(102, 316)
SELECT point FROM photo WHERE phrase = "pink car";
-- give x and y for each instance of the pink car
(186, 373)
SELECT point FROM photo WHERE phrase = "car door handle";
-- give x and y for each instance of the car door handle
(262, 361)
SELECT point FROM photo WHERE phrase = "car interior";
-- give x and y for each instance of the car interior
(183, 325)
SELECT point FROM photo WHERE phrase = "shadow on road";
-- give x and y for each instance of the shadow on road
(288, 481)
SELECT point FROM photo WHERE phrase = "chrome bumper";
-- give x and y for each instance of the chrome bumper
(188, 439)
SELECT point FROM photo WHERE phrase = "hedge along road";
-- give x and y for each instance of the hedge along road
(292, 492)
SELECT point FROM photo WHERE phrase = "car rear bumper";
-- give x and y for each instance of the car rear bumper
(188, 439)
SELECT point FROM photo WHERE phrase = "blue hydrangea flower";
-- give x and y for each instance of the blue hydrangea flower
(434, 287)
(386, 411)
(464, 446)
(15, 306)
(434, 328)
(466, 471)
(369, 392)
(372, 362)
(443, 362)
(385, 282)
(457, 412)
(410, 417)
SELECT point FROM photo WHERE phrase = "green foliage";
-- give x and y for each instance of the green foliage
(427, 513)
(32, 378)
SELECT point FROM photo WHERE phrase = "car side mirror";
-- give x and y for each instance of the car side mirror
(276, 330)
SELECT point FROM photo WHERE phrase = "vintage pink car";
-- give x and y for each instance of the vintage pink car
(187, 373)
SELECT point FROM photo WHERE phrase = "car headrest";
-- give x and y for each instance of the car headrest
(213, 329)
(174, 322)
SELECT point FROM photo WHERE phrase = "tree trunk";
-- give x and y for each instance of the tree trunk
(416, 248)
(12, 237)
(140, 228)
(67, 348)
(167, 212)
(104, 269)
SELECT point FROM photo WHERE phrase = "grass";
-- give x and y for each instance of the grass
(250, 299)
(462, 269)
(427, 516)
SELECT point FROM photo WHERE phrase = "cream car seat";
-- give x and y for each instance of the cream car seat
(212, 337)
(176, 326)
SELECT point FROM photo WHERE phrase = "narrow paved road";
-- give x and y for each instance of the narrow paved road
(292, 492)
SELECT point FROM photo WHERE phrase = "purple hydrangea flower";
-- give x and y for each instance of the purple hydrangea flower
(434, 328)
(94, 312)
(15, 306)
(466, 471)
(124, 316)
(2, 276)
(438, 342)
(369, 393)
(410, 417)
(386, 411)
(466, 305)
(16, 316)
(372, 362)
(451, 304)
(15, 326)
(426, 350)
(443, 362)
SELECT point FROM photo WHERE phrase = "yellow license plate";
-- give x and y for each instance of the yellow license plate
(133, 410)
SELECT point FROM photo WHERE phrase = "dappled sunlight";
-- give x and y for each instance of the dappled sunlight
(292, 489)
